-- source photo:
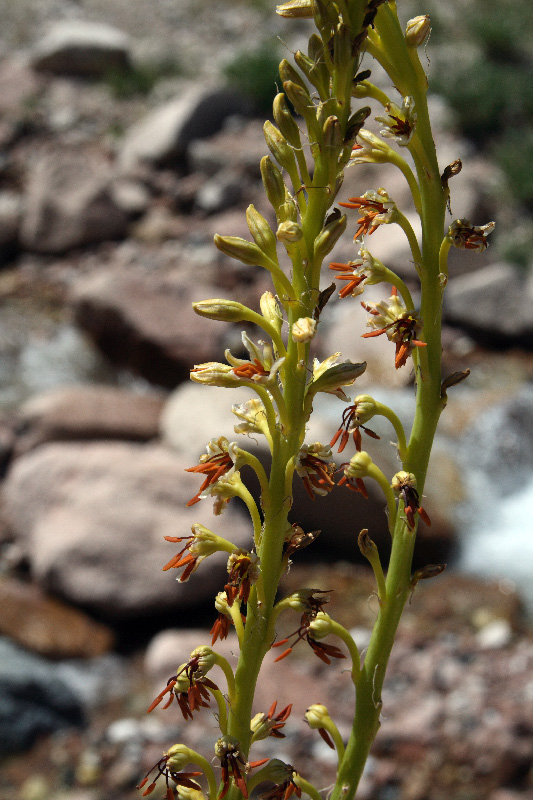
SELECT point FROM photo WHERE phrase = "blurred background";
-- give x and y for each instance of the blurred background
(131, 133)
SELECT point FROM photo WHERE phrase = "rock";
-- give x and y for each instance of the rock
(164, 135)
(147, 324)
(18, 84)
(131, 196)
(46, 625)
(495, 634)
(238, 147)
(69, 202)
(220, 192)
(81, 48)
(88, 412)
(33, 700)
(477, 303)
(92, 518)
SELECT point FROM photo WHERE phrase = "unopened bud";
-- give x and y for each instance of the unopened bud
(289, 232)
(221, 604)
(332, 132)
(178, 757)
(262, 233)
(224, 310)
(417, 31)
(296, 8)
(304, 329)
(328, 237)
(320, 626)
(356, 122)
(206, 658)
(273, 183)
(278, 146)
(366, 408)
(300, 98)
(288, 211)
(317, 716)
(288, 73)
(285, 121)
(367, 546)
(247, 252)
(270, 310)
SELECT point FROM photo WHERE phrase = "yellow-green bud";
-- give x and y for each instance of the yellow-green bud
(270, 310)
(221, 604)
(262, 233)
(206, 659)
(342, 45)
(260, 726)
(304, 329)
(300, 98)
(288, 73)
(366, 407)
(332, 132)
(178, 757)
(273, 183)
(314, 70)
(288, 211)
(328, 237)
(320, 625)
(296, 8)
(317, 716)
(289, 232)
(224, 310)
(358, 465)
(279, 147)
(247, 252)
(417, 31)
(285, 121)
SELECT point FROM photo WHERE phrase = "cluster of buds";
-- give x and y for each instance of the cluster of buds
(400, 325)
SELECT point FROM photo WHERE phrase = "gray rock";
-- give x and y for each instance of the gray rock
(78, 47)
(92, 518)
(33, 699)
(88, 412)
(220, 192)
(69, 203)
(163, 136)
(495, 301)
(11, 205)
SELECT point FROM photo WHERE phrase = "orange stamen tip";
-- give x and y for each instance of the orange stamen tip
(285, 653)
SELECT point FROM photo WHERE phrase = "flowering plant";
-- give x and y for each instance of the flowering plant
(324, 130)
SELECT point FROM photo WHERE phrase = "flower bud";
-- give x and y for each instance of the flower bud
(288, 211)
(273, 183)
(317, 716)
(320, 626)
(253, 414)
(238, 248)
(328, 237)
(285, 121)
(279, 147)
(403, 480)
(315, 70)
(288, 73)
(262, 233)
(332, 132)
(270, 310)
(417, 31)
(221, 604)
(296, 8)
(304, 329)
(225, 310)
(289, 232)
(356, 122)
(366, 408)
(342, 45)
(358, 465)
(206, 658)
(367, 546)
(300, 98)
(178, 757)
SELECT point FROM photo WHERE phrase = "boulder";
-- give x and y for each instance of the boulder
(164, 135)
(47, 626)
(148, 324)
(33, 699)
(81, 48)
(69, 202)
(88, 412)
(92, 518)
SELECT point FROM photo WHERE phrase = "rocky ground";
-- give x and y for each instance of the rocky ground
(108, 208)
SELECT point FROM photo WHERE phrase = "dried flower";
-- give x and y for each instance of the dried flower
(170, 766)
(466, 236)
(297, 539)
(313, 465)
(376, 208)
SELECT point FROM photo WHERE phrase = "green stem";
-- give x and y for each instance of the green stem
(221, 662)
(222, 710)
(251, 505)
(342, 633)
(307, 787)
(407, 228)
(388, 413)
(207, 769)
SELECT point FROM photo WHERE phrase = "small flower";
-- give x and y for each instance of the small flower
(189, 686)
(404, 486)
(200, 545)
(243, 572)
(466, 236)
(253, 414)
(417, 31)
(261, 368)
(223, 622)
(400, 123)
(400, 325)
(365, 270)
(284, 785)
(170, 766)
(264, 725)
(353, 418)
(317, 717)
(213, 464)
(312, 611)
(330, 377)
(370, 149)
(315, 469)
(376, 208)
(354, 472)
(233, 765)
